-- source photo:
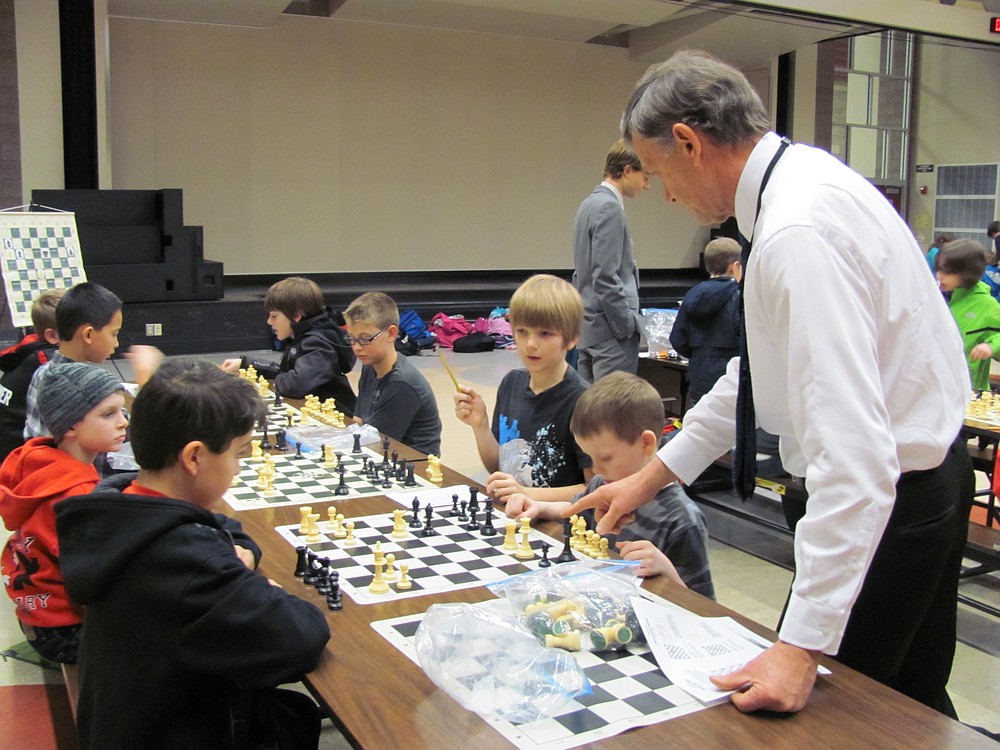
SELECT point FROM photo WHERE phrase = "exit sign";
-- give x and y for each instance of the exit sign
(995, 25)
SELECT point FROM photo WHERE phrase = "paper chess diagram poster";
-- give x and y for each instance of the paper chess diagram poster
(40, 251)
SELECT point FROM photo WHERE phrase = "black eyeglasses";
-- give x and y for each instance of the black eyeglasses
(365, 340)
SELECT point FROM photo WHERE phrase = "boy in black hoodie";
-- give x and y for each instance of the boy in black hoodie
(707, 328)
(317, 356)
(19, 363)
(182, 641)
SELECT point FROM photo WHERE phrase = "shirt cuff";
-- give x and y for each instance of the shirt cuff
(683, 459)
(812, 626)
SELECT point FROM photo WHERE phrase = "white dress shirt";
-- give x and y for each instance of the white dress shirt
(857, 366)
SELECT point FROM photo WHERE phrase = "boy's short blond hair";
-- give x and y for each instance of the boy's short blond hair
(620, 402)
(546, 301)
(43, 310)
(373, 307)
(293, 296)
(720, 254)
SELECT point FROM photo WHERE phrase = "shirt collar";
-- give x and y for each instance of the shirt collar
(618, 195)
(748, 188)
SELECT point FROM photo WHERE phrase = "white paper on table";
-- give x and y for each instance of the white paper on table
(688, 648)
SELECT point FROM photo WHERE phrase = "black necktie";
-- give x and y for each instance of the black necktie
(745, 453)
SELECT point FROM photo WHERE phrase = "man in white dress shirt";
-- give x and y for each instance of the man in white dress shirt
(857, 366)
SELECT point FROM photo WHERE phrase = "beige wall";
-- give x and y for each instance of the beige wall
(39, 90)
(323, 146)
(957, 115)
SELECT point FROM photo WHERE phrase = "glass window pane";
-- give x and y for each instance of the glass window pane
(862, 151)
(899, 54)
(891, 103)
(839, 107)
(838, 142)
(857, 99)
(866, 53)
(894, 156)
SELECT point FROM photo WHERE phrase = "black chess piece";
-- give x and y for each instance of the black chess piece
(567, 552)
(385, 451)
(545, 562)
(488, 528)
(415, 521)
(265, 441)
(277, 396)
(428, 529)
(322, 453)
(310, 577)
(474, 497)
(334, 601)
(387, 479)
(357, 443)
(411, 480)
(473, 524)
(323, 581)
(461, 514)
(301, 561)
(298, 450)
(342, 488)
(454, 506)
(281, 440)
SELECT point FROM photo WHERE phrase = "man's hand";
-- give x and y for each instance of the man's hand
(232, 366)
(615, 503)
(780, 679)
(981, 351)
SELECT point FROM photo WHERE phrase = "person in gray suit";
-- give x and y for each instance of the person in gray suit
(605, 273)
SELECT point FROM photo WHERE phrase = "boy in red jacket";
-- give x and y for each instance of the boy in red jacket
(82, 406)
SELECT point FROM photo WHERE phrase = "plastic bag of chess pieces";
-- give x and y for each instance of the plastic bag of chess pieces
(312, 436)
(488, 662)
(580, 606)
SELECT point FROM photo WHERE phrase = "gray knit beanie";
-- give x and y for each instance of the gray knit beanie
(69, 390)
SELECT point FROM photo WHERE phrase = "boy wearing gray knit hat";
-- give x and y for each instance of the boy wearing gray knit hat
(83, 407)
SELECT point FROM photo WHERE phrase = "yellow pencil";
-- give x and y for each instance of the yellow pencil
(448, 368)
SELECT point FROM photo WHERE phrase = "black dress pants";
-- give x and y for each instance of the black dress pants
(901, 630)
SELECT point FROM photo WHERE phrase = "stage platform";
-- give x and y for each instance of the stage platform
(237, 321)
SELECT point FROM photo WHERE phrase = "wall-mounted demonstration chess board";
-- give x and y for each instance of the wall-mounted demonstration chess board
(307, 478)
(40, 251)
(628, 691)
(453, 558)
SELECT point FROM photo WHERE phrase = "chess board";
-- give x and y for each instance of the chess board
(300, 481)
(628, 691)
(40, 251)
(984, 409)
(455, 558)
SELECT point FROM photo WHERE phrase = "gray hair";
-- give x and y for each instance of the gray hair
(696, 89)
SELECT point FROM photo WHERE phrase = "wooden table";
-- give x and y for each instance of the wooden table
(381, 700)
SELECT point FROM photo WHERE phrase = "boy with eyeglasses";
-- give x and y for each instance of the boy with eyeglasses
(393, 396)
(316, 356)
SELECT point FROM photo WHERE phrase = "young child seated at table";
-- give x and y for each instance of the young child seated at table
(393, 396)
(528, 447)
(317, 356)
(183, 641)
(618, 422)
(82, 407)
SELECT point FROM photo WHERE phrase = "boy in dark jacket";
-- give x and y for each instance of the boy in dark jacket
(317, 356)
(19, 364)
(707, 328)
(183, 641)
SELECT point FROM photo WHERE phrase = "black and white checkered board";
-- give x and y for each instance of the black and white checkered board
(299, 481)
(40, 251)
(453, 559)
(628, 691)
